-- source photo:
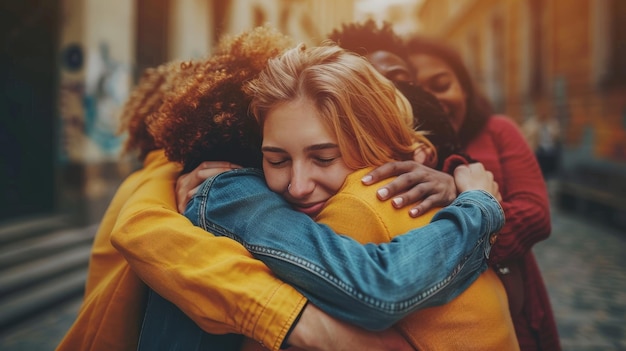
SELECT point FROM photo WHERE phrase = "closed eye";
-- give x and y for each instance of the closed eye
(276, 162)
(440, 83)
(322, 161)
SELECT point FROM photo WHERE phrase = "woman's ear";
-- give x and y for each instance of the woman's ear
(425, 155)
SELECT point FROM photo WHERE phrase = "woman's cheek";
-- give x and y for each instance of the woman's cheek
(274, 179)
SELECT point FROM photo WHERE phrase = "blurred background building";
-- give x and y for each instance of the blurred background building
(67, 66)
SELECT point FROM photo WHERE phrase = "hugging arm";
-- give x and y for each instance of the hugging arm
(525, 197)
(372, 286)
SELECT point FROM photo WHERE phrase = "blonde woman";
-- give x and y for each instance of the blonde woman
(327, 117)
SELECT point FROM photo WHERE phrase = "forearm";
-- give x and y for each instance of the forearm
(370, 285)
(528, 222)
(525, 198)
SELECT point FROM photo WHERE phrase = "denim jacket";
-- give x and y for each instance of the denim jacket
(372, 286)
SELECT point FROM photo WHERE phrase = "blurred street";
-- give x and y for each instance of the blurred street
(582, 262)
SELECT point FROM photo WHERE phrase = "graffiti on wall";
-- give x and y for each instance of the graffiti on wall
(90, 108)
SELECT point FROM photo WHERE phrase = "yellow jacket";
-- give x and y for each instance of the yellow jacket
(478, 319)
(215, 281)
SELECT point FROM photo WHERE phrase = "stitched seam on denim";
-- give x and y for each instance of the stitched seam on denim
(202, 194)
(491, 225)
(387, 307)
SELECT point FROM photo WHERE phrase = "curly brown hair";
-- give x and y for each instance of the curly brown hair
(206, 118)
(145, 99)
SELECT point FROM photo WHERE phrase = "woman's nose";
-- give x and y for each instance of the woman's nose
(301, 185)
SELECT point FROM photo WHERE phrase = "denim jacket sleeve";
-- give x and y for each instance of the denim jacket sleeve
(372, 286)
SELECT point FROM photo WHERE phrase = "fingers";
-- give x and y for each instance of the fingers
(436, 199)
(417, 186)
(420, 209)
(420, 155)
(475, 177)
(184, 185)
(388, 170)
(183, 199)
(405, 189)
(425, 155)
(217, 164)
(188, 184)
(414, 184)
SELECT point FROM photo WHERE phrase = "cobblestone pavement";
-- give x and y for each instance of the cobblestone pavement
(583, 265)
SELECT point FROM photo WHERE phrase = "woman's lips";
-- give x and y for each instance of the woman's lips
(310, 210)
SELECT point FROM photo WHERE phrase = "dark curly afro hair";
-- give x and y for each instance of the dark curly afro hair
(429, 116)
(206, 118)
(367, 37)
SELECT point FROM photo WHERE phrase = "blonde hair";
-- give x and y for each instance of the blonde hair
(370, 118)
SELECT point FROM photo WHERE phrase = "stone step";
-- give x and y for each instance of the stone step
(35, 272)
(20, 306)
(34, 248)
(26, 228)
(41, 269)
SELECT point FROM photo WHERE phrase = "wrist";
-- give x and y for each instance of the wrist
(302, 329)
(286, 342)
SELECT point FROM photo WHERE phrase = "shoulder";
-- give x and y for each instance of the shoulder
(499, 122)
(503, 127)
(157, 160)
(504, 124)
(355, 194)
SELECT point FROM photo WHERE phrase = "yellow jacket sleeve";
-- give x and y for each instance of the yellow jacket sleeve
(214, 280)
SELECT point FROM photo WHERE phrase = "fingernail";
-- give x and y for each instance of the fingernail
(397, 201)
(366, 179)
(414, 212)
(382, 193)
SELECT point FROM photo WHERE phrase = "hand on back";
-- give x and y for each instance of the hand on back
(188, 184)
(415, 184)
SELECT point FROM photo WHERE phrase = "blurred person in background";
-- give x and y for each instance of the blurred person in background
(497, 142)
(543, 134)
